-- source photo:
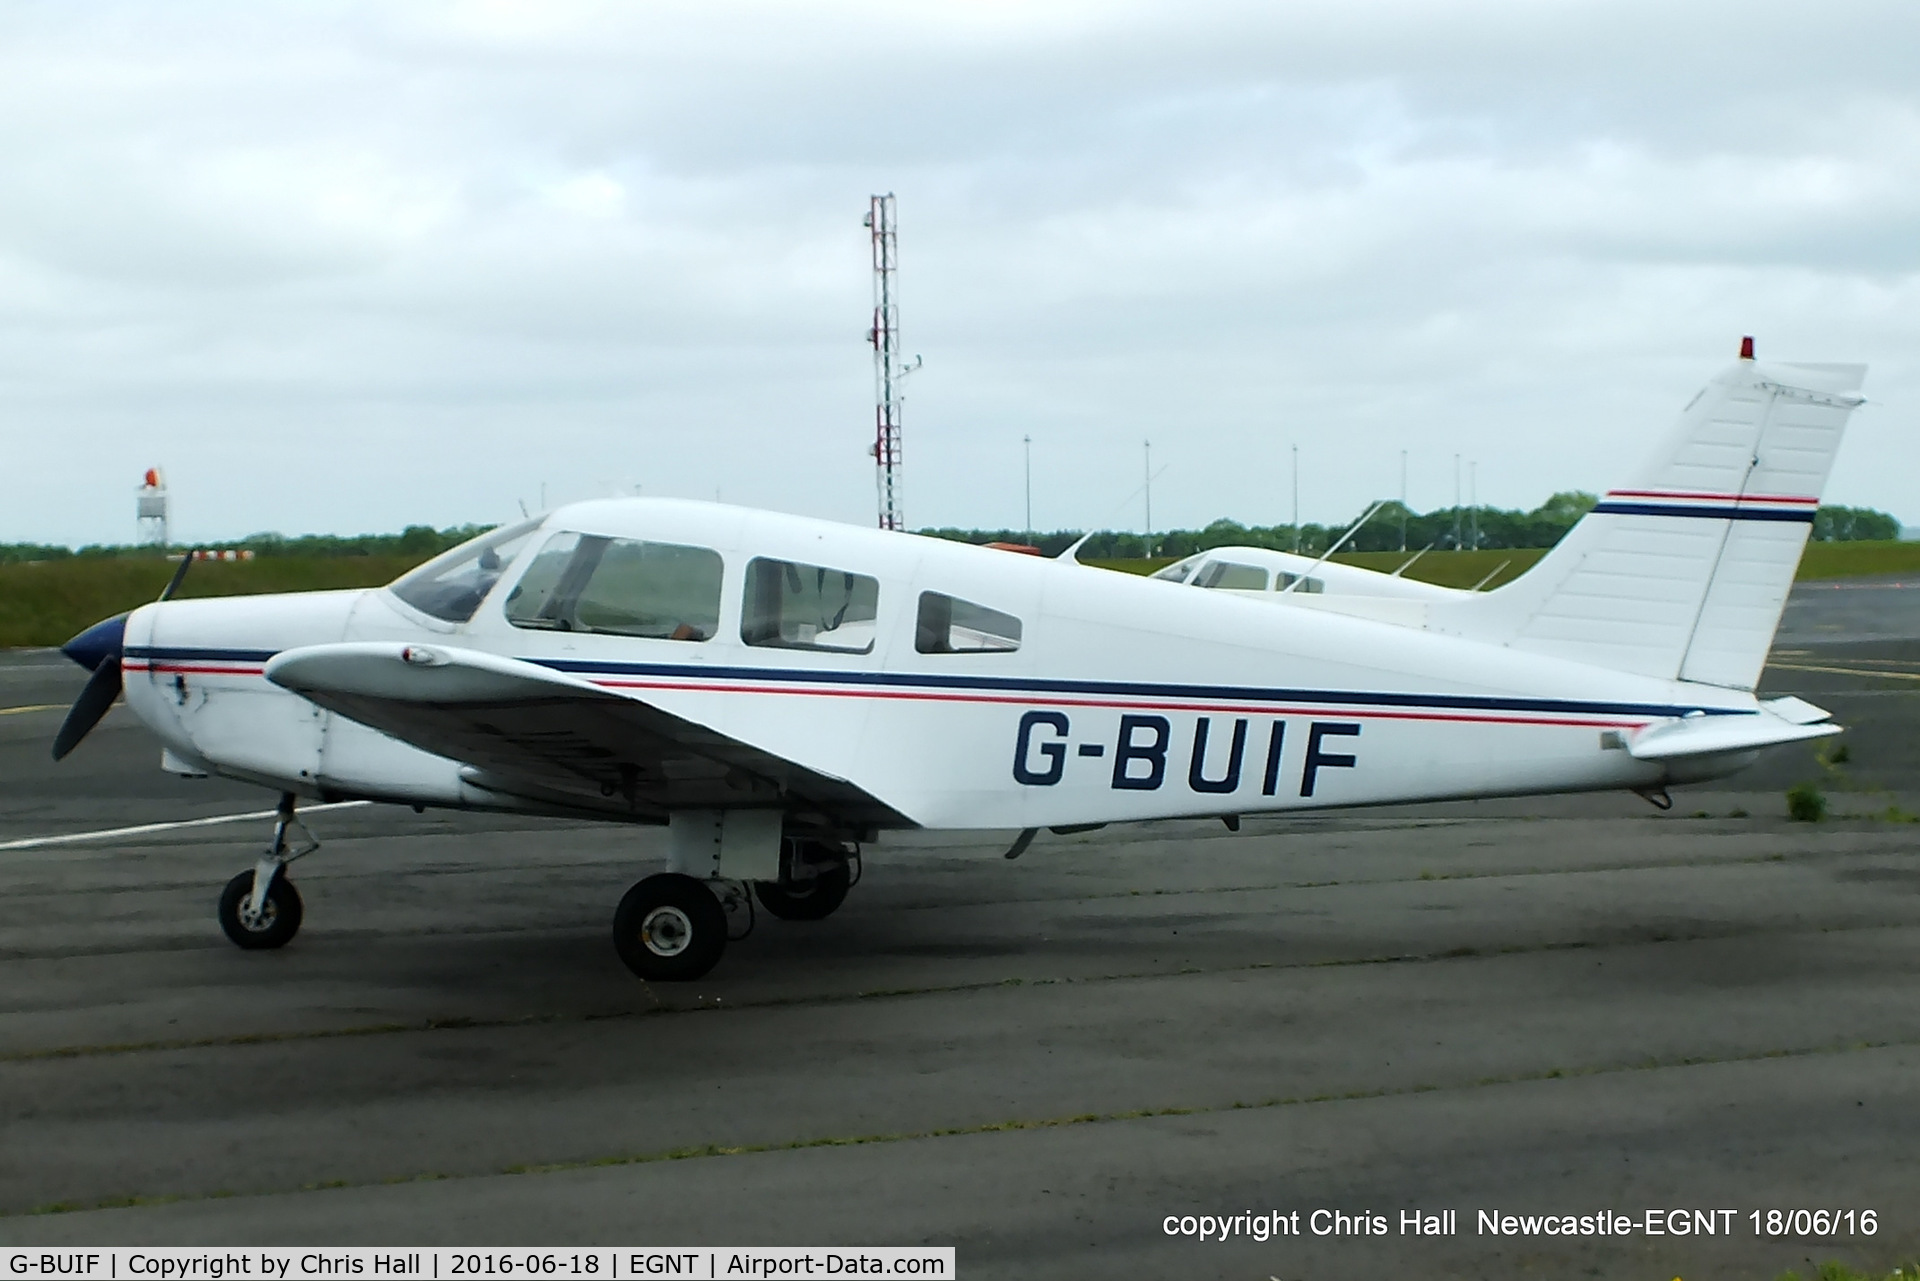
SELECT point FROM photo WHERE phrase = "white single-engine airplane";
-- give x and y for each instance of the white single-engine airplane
(776, 690)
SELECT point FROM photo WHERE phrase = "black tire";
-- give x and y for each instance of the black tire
(813, 900)
(670, 928)
(280, 921)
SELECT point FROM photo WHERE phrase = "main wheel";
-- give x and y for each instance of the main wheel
(670, 928)
(279, 919)
(813, 900)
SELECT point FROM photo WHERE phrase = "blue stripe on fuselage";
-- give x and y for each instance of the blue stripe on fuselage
(1025, 685)
(1705, 513)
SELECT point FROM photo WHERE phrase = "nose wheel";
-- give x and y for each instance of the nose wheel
(670, 928)
(275, 922)
(261, 909)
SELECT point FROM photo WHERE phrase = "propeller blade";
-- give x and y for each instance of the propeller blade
(102, 688)
(179, 575)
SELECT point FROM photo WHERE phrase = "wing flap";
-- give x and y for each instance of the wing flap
(526, 729)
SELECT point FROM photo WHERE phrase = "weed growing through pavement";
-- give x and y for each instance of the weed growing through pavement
(1806, 803)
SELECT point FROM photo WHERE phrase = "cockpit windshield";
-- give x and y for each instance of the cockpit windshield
(452, 584)
(1178, 571)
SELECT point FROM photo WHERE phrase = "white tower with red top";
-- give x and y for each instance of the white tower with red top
(150, 508)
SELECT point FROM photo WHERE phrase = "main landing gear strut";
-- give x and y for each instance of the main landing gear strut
(261, 909)
(673, 927)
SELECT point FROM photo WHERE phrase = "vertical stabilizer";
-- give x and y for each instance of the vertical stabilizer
(1682, 573)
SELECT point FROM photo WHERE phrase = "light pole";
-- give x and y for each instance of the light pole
(1403, 500)
(1028, 442)
(1146, 454)
(1473, 499)
(1296, 499)
(1456, 502)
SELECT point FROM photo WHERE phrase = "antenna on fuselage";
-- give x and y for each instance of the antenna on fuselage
(1368, 515)
(1408, 563)
(1072, 552)
(1490, 577)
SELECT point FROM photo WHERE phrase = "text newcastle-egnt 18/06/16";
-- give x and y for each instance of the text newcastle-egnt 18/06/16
(1658, 1222)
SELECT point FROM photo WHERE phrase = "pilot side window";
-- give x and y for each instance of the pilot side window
(949, 625)
(793, 606)
(590, 583)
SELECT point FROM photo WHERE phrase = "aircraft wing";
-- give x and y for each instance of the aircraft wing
(529, 731)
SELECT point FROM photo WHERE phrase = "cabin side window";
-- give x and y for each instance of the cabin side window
(794, 606)
(622, 586)
(949, 625)
(1227, 576)
(1284, 580)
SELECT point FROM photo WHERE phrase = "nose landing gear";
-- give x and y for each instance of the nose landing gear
(261, 909)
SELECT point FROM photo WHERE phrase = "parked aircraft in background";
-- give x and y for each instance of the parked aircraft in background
(1286, 578)
(777, 691)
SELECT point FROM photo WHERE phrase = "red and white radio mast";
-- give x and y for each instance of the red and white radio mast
(889, 372)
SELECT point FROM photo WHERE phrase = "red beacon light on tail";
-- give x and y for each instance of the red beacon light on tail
(1746, 348)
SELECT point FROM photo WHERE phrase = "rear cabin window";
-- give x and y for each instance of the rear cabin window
(1227, 576)
(1284, 580)
(794, 606)
(622, 586)
(949, 625)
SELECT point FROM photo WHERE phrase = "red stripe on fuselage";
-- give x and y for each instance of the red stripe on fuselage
(1257, 709)
(1719, 498)
(1253, 709)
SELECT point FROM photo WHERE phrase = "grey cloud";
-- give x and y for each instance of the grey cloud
(421, 257)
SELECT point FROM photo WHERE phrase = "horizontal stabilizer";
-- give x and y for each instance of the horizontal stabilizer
(1698, 735)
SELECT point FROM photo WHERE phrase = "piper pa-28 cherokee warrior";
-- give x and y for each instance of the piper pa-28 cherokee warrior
(776, 690)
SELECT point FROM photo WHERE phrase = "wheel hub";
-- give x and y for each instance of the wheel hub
(666, 931)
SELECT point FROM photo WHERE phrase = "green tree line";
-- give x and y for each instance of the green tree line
(1393, 527)
(417, 541)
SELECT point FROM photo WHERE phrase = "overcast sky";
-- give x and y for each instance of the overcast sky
(348, 267)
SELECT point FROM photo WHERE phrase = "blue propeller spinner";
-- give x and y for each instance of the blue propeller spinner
(98, 649)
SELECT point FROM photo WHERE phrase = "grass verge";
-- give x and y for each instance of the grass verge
(47, 602)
